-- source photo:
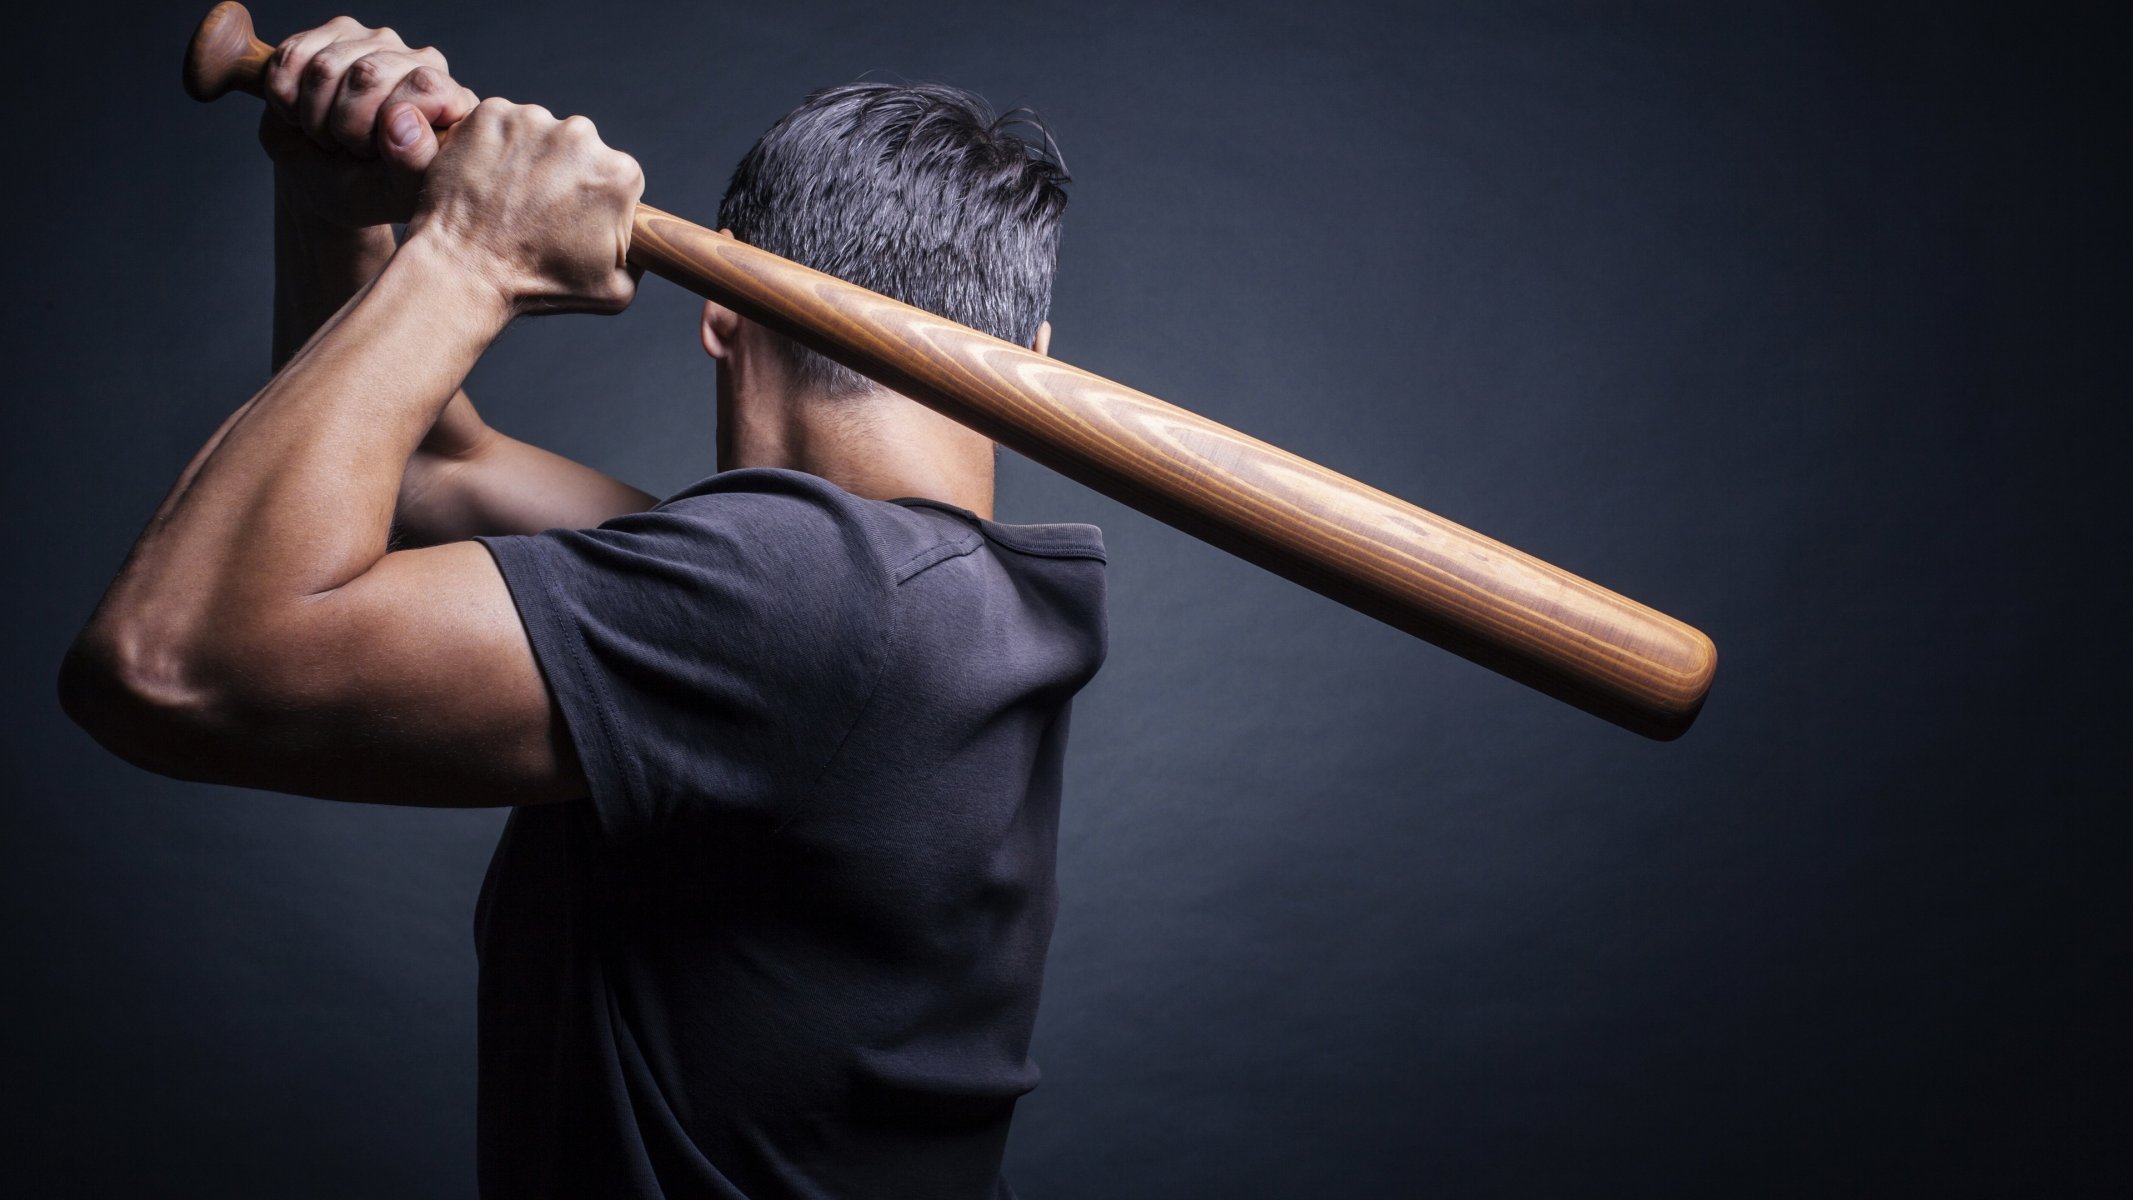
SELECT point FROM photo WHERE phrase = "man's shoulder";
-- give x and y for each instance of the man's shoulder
(1063, 539)
(785, 526)
(763, 497)
(896, 539)
(776, 557)
(948, 570)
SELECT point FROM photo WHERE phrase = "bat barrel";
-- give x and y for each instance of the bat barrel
(1431, 577)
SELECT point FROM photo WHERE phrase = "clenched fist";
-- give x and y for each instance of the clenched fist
(352, 117)
(539, 207)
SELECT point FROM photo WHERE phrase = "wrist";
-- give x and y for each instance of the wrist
(460, 278)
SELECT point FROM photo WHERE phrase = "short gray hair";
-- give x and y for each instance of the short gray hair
(917, 191)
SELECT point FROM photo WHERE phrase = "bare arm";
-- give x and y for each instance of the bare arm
(338, 186)
(468, 480)
(260, 632)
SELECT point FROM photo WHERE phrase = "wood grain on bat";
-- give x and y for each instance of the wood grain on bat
(1411, 567)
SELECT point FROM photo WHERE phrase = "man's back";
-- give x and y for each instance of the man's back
(793, 944)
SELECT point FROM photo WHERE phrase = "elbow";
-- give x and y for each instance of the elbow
(137, 698)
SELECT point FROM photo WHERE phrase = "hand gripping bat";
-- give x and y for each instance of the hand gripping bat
(1374, 552)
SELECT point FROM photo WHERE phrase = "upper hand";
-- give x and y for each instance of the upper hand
(351, 120)
(539, 207)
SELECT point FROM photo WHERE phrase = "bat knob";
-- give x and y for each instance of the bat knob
(225, 55)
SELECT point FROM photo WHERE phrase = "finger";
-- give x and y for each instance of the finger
(495, 110)
(488, 118)
(405, 137)
(319, 85)
(627, 176)
(581, 138)
(366, 88)
(441, 100)
(577, 135)
(479, 132)
(285, 67)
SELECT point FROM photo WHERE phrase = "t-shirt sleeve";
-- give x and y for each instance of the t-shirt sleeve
(708, 655)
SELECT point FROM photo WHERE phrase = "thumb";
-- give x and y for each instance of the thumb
(406, 139)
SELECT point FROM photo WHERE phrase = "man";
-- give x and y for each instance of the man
(770, 914)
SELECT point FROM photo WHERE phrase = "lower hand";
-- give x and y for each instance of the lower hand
(351, 120)
(538, 207)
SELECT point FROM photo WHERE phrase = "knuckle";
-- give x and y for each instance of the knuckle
(426, 80)
(281, 73)
(386, 33)
(491, 115)
(365, 73)
(323, 66)
(285, 55)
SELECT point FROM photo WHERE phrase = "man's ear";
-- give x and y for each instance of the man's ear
(1042, 343)
(719, 327)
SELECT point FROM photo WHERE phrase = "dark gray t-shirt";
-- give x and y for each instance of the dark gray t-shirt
(791, 945)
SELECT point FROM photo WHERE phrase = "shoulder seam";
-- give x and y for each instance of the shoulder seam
(936, 554)
(1062, 550)
(1004, 537)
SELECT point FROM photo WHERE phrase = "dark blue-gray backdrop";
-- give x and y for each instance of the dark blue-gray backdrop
(1805, 322)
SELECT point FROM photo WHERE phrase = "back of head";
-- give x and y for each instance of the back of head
(917, 191)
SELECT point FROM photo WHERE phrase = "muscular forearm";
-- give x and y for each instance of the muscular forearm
(317, 266)
(464, 479)
(260, 632)
(296, 495)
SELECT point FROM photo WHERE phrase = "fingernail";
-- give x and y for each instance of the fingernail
(405, 128)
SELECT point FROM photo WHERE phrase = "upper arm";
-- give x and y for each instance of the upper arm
(702, 658)
(494, 485)
(414, 683)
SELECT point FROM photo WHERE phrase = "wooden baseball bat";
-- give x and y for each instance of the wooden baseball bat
(1374, 552)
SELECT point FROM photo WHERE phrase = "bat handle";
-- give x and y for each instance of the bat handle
(225, 55)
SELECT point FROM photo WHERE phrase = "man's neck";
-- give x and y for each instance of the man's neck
(880, 447)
